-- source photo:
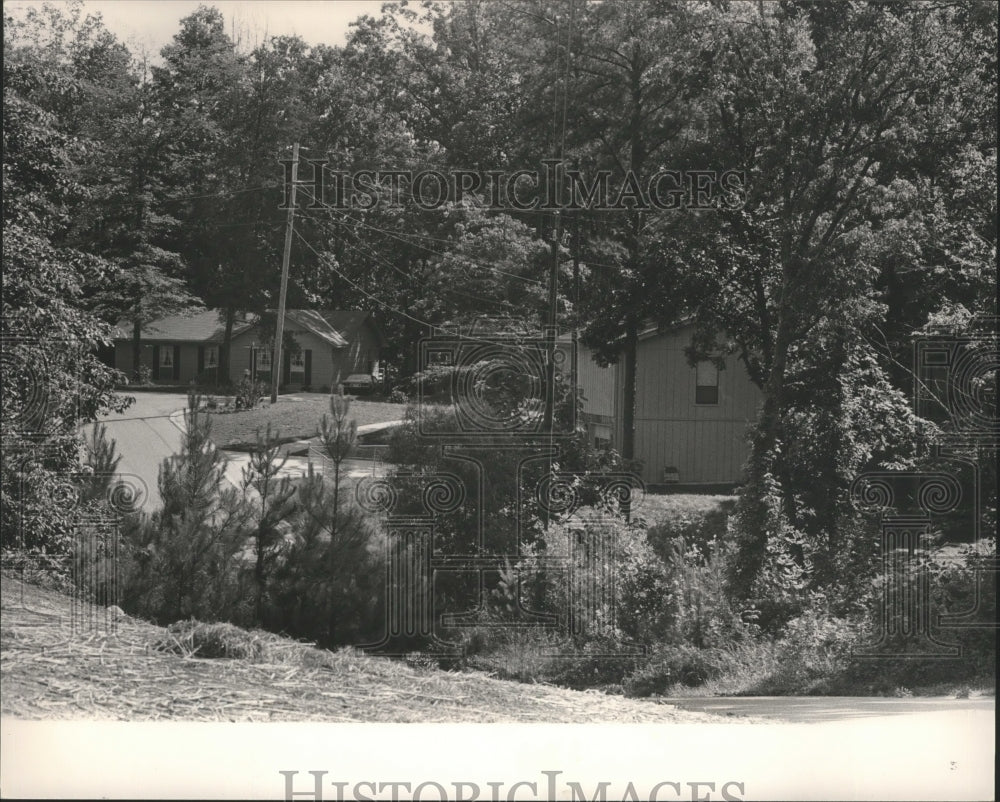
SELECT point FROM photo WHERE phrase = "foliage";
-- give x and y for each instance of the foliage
(249, 392)
(179, 561)
(52, 381)
(269, 503)
(329, 586)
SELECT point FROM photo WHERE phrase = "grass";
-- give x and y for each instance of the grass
(64, 660)
(294, 417)
(662, 509)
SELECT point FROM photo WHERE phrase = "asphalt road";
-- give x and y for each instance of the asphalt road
(151, 430)
(145, 436)
(816, 709)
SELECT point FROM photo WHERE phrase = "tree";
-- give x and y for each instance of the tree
(52, 380)
(180, 560)
(272, 506)
(338, 435)
(831, 111)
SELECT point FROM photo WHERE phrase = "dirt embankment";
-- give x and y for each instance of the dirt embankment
(63, 660)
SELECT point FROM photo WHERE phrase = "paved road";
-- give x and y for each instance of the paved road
(146, 435)
(816, 709)
(151, 429)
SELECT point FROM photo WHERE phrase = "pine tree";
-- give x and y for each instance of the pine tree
(274, 506)
(182, 557)
(338, 436)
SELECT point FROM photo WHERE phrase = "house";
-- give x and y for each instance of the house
(322, 349)
(690, 422)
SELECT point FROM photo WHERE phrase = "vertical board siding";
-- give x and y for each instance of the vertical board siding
(705, 443)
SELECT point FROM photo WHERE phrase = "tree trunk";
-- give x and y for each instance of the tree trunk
(628, 401)
(637, 159)
(136, 348)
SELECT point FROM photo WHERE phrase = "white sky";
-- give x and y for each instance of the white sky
(152, 23)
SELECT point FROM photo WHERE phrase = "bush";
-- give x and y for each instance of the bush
(398, 396)
(249, 392)
(955, 572)
(669, 666)
(699, 520)
(329, 585)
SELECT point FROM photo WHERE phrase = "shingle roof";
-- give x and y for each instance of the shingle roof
(319, 325)
(348, 322)
(199, 327)
(337, 327)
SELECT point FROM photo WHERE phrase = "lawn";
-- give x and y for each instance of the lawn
(294, 417)
(665, 509)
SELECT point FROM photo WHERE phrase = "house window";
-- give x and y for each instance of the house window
(297, 362)
(166, 356)
(211, 356)
(602, 437)
(263, 359)
(706, 390)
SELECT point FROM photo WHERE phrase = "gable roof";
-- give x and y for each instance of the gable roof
(348, 322)
(336, 327)
(318, 324)
(205, 326)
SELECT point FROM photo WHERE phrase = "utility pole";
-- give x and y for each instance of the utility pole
(286, 257)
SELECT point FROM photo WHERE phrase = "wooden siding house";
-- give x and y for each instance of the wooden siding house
(690, 422)
(324, 348)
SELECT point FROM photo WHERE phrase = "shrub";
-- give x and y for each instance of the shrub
(955, 573)
(699, 520)
(329, 584)
(249, 392)
(398, 396)
(681, 664)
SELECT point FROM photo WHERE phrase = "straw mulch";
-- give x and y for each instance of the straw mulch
(110, 666)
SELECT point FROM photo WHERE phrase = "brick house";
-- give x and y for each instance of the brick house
(323, 348)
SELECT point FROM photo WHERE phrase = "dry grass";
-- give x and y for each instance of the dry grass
(126, 669)
(294, 417)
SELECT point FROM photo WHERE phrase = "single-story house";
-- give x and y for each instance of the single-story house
(690, 422)
(322, 349)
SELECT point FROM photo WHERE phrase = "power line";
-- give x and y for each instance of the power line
(387, 263)
(399, 237)
(390, 308)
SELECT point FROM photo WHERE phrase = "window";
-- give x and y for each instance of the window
(166, 356)
(263, 359)
(602, 437)
(297, 362)
(211, 356)
(706, 390)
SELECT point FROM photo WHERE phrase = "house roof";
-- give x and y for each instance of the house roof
(648, 330)
(348, 322)
(337, 327)
(206, 326)
(319, 324)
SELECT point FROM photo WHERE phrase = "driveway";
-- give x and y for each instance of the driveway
(145, 435)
